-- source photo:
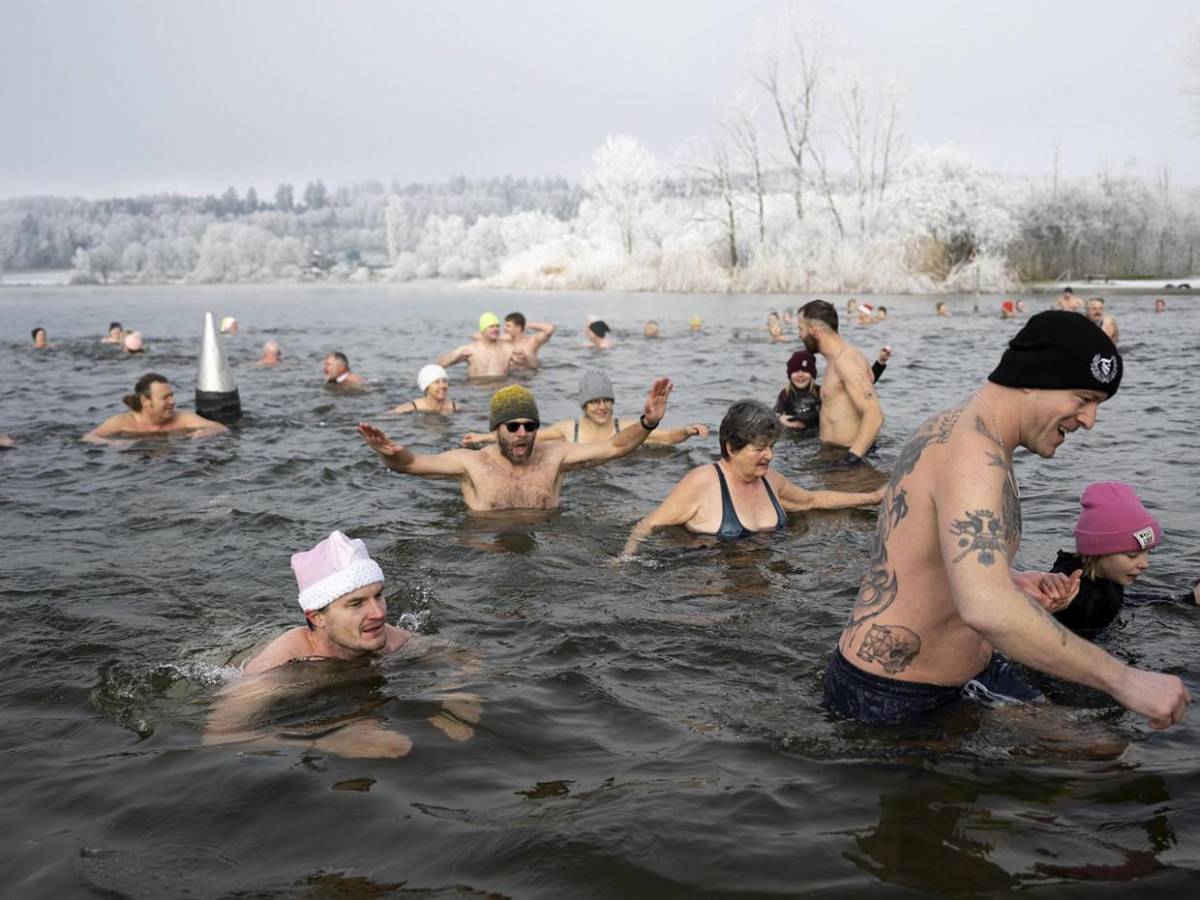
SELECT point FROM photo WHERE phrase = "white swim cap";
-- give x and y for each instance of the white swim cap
(428, 375)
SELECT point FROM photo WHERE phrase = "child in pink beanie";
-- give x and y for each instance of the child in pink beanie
(1113, 539)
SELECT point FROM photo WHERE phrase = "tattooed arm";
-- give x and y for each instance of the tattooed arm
(861, 390)
(969, 503)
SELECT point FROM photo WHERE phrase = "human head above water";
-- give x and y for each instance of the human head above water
(512, 402)
(747, 422)
(142, 390)
(595, 385)
(1060, 350)
(821, 311)
(333, 568)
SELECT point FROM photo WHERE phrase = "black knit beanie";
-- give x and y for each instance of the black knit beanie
(1060, 350)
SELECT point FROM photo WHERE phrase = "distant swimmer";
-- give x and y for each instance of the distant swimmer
(116, 334)
(881, 314)
(435, 387)
(696, 324)
(40, 339)
(487, 356)
(1069, 302)
(597, 333)
(132, 344)
(1008, 309)
(336, 367)
(1160, 305)
(1098, 314)
(940, 595)
(152, 411)
(525, 344)
(1113, 539)
(271, 355)
(650, 329)
(598, 423)
(740, 495)
(518, 472)
(229, 326)
(851, 415)
(341, 596)
(942, 309)
(775, 331)
(866, 314)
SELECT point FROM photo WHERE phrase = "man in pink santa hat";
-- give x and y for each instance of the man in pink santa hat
(341, 593)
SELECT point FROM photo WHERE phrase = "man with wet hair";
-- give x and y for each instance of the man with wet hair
(851, 415)
(116, 334)
(517, 472)
(486, 356)
(1069, 302)
(152, 411)
(526, 346)
(337, 371)
(940, 594)
(1107, 323)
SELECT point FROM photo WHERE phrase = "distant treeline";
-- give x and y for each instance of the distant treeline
(240, 237)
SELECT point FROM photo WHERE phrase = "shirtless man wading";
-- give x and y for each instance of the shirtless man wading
(487, 356)
(526, 345)
(850, 412)
(152, 411)
(940, 594)
(517, 472)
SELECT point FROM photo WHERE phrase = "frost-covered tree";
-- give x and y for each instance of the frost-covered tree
(284, 200)
(622, 183)
(250, 204)
(315, 194)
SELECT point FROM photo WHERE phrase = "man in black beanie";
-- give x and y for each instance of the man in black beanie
(940, 594)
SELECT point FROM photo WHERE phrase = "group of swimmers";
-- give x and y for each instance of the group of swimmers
(939, 601)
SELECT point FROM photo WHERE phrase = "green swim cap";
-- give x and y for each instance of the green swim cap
(487, 320)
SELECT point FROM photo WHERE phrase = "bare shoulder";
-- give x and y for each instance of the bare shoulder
(397, 638)
(292, 644)
(699, 480)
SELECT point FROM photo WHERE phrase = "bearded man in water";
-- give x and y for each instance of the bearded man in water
(517, 472)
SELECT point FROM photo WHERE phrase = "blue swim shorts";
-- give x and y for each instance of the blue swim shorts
(851, 693)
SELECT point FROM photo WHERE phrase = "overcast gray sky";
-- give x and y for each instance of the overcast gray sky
(104, 98)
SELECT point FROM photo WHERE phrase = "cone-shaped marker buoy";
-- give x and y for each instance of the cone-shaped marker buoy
(216, 392)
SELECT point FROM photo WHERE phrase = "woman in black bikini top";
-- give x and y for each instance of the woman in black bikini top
(741, 495)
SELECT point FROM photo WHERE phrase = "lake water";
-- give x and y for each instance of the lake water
(649, 729)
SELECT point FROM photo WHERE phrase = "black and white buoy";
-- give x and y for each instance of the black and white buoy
(216, 392)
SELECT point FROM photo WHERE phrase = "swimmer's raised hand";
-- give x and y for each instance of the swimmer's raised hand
(378, 441)
(656, 402)
(471, 438)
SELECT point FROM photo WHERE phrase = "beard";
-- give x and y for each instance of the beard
(811, 344)
(509, 452)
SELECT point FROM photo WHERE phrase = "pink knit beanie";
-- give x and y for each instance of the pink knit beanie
(1114, 521)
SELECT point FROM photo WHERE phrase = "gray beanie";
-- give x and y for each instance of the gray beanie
(594, 385)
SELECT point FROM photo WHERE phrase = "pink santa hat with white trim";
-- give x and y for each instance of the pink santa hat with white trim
(336, 566)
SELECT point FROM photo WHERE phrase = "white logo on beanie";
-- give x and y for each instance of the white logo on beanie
(1104, 368)
(1144, 537)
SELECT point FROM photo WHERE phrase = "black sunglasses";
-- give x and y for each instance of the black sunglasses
(514, 427)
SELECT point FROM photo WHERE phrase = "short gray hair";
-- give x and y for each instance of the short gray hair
(747, 422)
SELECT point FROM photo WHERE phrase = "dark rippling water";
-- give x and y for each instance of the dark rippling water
(649, 729)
